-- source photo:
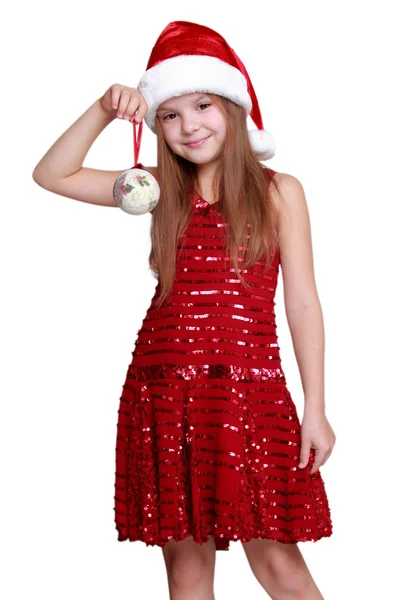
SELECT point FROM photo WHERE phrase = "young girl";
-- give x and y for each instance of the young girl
(209, 445)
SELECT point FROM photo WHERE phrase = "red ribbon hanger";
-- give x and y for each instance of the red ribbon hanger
(137, 140)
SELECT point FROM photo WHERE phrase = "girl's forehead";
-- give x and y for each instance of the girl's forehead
(182, 100)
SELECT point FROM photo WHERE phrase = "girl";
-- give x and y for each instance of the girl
(209, 446)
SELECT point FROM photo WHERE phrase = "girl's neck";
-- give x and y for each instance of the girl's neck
(205, 180)
(206, 172)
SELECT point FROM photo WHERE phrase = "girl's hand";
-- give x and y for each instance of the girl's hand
(124, 102)
(316, 433)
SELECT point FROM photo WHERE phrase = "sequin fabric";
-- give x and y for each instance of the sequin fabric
(208, 436)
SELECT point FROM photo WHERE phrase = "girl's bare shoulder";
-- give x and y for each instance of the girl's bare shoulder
(295, 243)
(287, 190)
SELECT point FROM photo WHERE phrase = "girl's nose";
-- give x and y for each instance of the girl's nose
(189, 126)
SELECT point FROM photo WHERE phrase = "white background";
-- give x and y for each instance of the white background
(76, 283)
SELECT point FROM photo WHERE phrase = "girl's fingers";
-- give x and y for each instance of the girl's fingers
(320, 460)
(115, 94)
(142, 110)
(128, 103)
(132, 108)
(123, 103)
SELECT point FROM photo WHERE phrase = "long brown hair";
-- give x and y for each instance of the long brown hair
(241, 184)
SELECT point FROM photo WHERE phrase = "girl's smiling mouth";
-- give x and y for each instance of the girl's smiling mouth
(198, 143)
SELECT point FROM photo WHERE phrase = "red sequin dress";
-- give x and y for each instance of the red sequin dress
(208, 436)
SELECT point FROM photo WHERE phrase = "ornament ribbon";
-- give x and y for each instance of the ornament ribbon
(136, 143)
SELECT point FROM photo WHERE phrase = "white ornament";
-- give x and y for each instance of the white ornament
(136, 191)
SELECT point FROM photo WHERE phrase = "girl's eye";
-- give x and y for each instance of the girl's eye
(171, 114)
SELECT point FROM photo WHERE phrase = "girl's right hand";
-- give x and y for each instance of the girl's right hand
(124, 102)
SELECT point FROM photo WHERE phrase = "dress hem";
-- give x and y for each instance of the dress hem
(222, 544)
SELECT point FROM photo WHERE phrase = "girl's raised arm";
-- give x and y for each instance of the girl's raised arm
(60, 170)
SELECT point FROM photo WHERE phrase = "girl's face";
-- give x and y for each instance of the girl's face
(190, 118)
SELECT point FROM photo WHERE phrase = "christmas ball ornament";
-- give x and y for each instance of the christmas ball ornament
(136, 191)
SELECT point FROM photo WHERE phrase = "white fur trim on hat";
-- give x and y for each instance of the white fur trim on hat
(189, 73)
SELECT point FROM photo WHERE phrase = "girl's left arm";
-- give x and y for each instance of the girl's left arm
(304, 315)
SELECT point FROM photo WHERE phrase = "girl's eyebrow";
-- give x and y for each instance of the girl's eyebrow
(199, 97)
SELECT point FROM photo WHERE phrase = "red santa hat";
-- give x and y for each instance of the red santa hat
(187, 58)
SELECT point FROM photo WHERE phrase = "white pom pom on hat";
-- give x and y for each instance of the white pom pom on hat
(188, 57)
(263, 143)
